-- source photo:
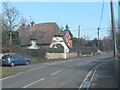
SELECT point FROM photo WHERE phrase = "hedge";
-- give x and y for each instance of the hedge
(35, 54)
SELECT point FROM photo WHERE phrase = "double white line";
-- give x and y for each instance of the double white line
(92, 76)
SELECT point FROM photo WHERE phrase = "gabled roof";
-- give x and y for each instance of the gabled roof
(43, 32)
(64, 32)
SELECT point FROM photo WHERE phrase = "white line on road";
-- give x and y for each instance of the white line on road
(79, 63)
(89, 75)
(11, 76)
(92, 78)
(35, 68)
(56, 72)
(21, 73)
(34, 83)
(85, 79)
(70, 66)
(62, 84)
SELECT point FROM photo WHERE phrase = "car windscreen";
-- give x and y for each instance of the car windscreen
(4, 57)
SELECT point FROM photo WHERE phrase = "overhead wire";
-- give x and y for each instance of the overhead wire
(101, 15)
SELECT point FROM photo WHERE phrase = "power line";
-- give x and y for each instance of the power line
(89, 29)
(100, 23)
(101, 14)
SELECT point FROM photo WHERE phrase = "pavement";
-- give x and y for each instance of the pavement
(105, 76)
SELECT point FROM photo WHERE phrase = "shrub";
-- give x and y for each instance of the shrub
(35, 55)
(55, 50)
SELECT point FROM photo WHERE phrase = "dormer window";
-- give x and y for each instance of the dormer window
(57, 39)
(33, 41)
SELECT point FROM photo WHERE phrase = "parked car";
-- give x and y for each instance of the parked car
(14, 59)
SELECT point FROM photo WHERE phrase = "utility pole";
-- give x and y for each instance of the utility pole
(98, 40)
(113, 30)
(78, 40)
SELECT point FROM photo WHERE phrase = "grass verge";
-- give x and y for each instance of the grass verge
(7, 73)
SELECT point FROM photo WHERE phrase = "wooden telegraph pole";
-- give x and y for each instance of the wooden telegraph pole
(113, 30)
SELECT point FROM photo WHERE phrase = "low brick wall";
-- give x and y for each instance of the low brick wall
(54, 55)
(72, 55)
(61, 55)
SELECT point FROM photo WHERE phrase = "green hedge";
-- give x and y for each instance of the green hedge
(55, 50)
(35, 55)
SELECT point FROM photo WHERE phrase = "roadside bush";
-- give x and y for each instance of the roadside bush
(35, 55)
(84, 50)
(55, 50)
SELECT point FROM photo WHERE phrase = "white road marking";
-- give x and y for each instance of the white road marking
(74, 65)
(33, 83)
(79, 63)
(62, 84)
(21, 73)
(11, 76)
(35, 68)
(92, 78)
(85, 79)
(70, 66)
(89, 75)
(56, 72)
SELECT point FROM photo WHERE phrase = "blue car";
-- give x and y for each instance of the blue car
(14, 59)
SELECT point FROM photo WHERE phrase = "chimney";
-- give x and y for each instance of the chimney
(28, 25)
(23, 24)
(32, 23)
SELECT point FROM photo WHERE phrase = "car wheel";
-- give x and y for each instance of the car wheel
(27, 62)
(12, 64)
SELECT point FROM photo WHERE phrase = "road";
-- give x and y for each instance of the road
(60, 74)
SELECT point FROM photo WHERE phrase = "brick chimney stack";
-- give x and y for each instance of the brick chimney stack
(32, 23)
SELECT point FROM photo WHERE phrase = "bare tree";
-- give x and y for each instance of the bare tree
(10, 18)
(11, 15)
(23, 21)
(0, 33)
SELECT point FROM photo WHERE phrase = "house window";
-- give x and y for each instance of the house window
(57, 40)
(66, 39)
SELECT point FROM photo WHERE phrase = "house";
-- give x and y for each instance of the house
(39, 35)
(67, 38)
(67, 35)
(58, 40)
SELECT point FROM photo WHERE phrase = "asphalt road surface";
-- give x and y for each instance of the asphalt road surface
(61, 74)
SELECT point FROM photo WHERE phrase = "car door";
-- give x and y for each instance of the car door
(21, 59)
(16, 59)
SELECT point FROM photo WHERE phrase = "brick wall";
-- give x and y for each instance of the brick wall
(61, 55)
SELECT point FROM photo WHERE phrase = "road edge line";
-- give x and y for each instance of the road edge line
(95, 68)
(21, 73)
